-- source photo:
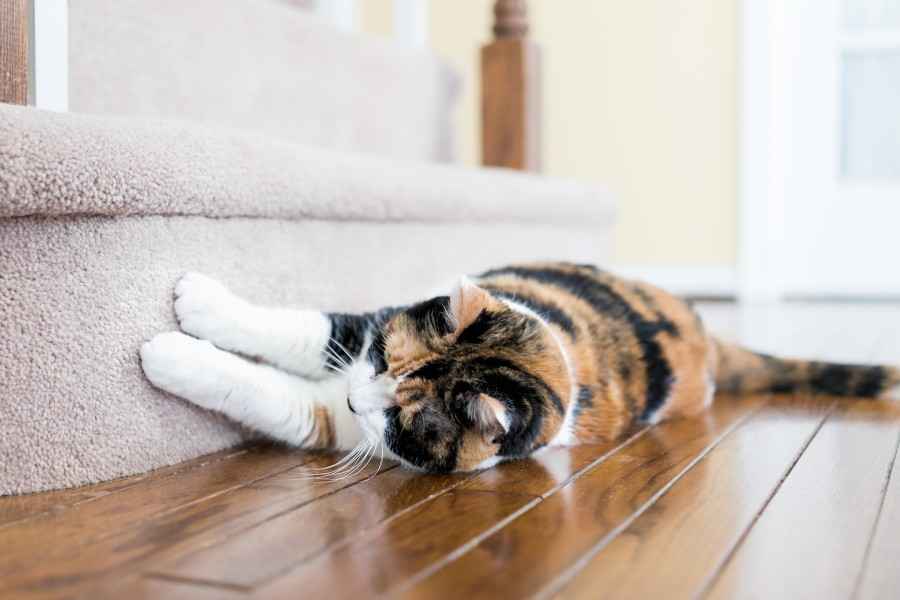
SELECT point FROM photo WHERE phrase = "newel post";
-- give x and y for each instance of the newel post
(511, 92)
(14, 51)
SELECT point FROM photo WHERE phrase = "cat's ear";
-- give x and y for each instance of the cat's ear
(467, 300)
(489, 416)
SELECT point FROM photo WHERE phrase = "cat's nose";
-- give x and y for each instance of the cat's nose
(350, 406)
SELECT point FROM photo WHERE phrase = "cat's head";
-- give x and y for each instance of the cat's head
(459, 381)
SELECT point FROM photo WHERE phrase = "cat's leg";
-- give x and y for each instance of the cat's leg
(310, 414)
(306, 342)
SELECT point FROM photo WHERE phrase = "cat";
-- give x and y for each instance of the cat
(511, 361)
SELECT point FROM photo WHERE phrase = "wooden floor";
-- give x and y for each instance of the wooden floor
(766, 497)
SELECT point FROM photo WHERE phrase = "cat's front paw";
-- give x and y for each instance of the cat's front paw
(207, 309)
(173, 362)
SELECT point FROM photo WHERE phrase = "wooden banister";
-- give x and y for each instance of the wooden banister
(510, 92)
(14, 51)
(34, 53)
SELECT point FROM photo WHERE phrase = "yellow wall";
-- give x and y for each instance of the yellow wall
(638, 95)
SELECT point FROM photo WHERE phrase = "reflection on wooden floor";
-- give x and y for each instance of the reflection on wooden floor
(765, 497)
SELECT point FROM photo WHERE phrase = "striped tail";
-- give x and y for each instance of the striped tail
(741, 371)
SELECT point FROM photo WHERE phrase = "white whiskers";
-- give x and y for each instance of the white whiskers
(353, 463)
(342, 365)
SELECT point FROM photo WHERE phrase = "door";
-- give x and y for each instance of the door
(841, 95)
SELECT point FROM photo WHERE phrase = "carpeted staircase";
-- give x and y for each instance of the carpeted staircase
(308, 172)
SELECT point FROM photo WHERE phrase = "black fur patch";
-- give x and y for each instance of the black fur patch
(584, 401)
(536, 384)
(548, 312)
(377, 321)
(784, 387)
(606, 301)
(585, 397)
(872, 382)
(376, 352)
(416, 443)
(625, 371)
(587, 267)
(831, 379)
(433, 370)
(524, 407)
(651, 304)
(431, 316)
(348, 334)
(477, 330)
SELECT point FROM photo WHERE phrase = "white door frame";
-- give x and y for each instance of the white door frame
(48, 54)
(761, 150)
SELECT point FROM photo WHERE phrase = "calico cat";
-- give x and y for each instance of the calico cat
(516, 359)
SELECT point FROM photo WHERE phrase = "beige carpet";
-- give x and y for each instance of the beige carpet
(100, 215)
(261, 65)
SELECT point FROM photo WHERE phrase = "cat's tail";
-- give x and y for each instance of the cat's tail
(742, 371)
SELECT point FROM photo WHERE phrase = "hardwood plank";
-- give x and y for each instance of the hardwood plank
(14, 509)
(145, 501)
(880, 577)
(528, 479)
(14, 51)
(552, 468)
(542, 543)
(87, 540)
(717, 501)
(811, 539)
(279, 544)
(375, 562)
(212, 522)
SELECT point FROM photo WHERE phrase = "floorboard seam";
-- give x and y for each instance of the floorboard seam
(865, 562)
(139, 480)
(349, 539)
(452, 556)
(595, 463)
(311, 500)
(449, 558)
(227, 490)
(123, 568)
(558, 582)
(296, 507)
(234, 587)
(720, 568)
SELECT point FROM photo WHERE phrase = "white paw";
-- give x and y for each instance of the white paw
(892, 393)
(180, 365)
(207, 309)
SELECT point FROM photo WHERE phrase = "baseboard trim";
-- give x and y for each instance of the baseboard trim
(694, 281)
